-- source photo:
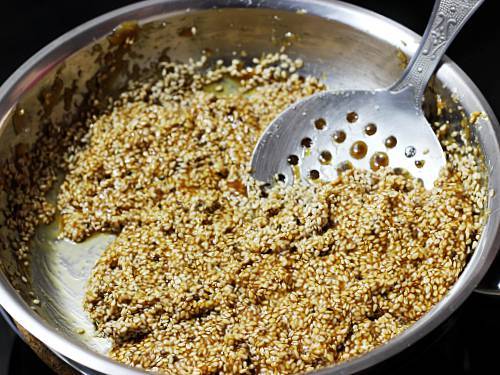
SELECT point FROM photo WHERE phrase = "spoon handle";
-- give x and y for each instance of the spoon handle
(447, 19)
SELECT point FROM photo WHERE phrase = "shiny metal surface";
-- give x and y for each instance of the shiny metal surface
(490, 284)
(393, 112)
(447, 19)
(346, 46)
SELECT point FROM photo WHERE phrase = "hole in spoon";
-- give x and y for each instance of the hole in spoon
(325, 157)
(419, 163)
(320, 123)
(352, 117)
(280, 177)
(379, 160)
(359, 150)
(410, 151)
(313, 174)
(339, 136)
(306, 142)
(293, 160)
(370, 129)
(391, 142)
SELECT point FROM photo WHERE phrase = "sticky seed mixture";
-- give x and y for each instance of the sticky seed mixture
(211, 274)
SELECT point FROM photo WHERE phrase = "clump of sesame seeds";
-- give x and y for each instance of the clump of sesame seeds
(179, 135)
(307, 277)
(209, 273)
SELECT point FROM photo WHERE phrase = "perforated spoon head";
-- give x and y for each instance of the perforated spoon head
(318, 137)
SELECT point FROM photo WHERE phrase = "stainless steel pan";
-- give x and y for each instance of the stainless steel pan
(345, 45)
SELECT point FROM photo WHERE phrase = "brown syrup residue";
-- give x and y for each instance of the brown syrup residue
(238, 186)
(125, 33)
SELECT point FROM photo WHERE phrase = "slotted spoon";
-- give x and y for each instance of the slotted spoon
(318, 137)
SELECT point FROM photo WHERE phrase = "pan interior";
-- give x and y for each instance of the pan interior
(341, 55)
